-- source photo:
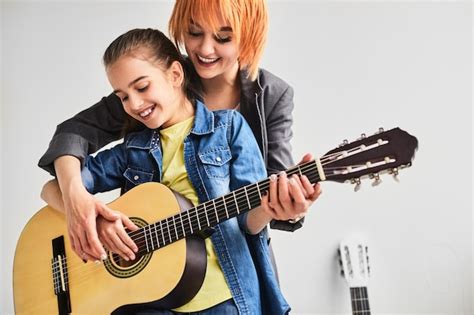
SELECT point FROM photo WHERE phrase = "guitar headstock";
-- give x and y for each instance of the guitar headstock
(354, 262)
(384, 152)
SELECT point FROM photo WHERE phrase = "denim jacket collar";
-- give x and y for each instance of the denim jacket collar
(204, 120)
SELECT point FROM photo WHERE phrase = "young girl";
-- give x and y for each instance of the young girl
(224, 41)
(196, 152)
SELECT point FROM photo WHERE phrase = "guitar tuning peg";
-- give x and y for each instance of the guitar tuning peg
(380, 130)
(394, 173)
(356, 181)
(376, 178)
(362, 136)
(344, 142)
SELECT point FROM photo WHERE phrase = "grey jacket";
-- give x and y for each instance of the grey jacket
(266, 104)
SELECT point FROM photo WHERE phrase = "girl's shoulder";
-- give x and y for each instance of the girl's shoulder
(139, 139)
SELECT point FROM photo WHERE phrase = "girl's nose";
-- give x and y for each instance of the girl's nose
(135, 102)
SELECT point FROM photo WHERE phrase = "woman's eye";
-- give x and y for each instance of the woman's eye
(123, 99)
(222, 39)
(194, 34)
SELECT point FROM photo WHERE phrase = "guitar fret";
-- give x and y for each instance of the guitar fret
(169, 233)
(236, 203)
(146, 240)
(162, 234)
(197, 216)
(225, 206)
(182, 224)
(205, 212)
(175, 229)
(258, 190)
(215, 209)
(189, 221)
(156, 235)
(151, 238)
(247, 196)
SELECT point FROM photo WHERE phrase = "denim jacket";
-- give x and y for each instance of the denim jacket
(221, 155)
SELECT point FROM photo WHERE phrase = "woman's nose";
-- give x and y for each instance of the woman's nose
(206, 47)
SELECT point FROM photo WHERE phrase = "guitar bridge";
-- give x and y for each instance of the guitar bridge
(60, 276)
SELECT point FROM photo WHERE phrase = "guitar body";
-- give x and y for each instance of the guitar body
(165, 278)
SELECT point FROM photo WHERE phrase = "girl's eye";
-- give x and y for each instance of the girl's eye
(123, 99)
(142, 89)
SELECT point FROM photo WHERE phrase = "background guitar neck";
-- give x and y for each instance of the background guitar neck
(360, 301)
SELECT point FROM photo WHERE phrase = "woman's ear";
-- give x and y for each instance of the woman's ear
(176, 74)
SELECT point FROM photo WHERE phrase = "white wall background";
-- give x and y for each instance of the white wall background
(355, 66)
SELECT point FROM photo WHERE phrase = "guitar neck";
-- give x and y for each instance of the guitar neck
(360, 301)
(212, 212)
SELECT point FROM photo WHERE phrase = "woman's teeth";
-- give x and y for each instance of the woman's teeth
(207, 60)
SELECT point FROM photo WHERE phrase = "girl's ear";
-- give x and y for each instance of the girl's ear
(176, 74)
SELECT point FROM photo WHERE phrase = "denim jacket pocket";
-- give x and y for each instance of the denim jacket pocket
(136, 177)
(215, 162)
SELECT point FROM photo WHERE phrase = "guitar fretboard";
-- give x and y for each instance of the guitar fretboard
(360, 301)
(210, 213)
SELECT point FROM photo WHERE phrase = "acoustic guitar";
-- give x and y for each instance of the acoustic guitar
(49, 278)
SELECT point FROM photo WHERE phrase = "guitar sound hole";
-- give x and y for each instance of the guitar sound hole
(119, 261)
(119, 267)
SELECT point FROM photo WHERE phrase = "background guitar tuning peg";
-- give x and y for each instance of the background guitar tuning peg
(381, 130)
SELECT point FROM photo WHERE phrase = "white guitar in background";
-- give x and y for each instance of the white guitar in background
(354, 261)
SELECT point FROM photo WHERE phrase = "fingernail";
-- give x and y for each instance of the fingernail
(97, 262)
(103, 257)
(292, 181)
(273, 177)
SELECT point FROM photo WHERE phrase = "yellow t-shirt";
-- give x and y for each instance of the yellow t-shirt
(214, 289)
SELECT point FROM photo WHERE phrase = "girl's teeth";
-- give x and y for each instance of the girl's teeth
(207, 60)
(145, 113)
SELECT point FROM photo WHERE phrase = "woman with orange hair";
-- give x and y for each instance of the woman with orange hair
(224, 41)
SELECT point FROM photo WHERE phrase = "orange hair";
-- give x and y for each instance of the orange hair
(248, 19)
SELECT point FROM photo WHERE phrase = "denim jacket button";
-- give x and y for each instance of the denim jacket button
(136, 177)
(218, 159)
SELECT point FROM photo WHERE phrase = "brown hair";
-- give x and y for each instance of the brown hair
(248, 19)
